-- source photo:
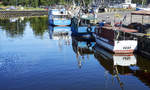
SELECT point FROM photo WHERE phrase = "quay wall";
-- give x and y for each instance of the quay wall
(119, 16)
(22, 13)
(144, 46)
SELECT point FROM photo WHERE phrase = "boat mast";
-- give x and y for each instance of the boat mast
(143, 2)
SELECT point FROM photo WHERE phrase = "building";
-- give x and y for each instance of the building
(128, 1)
(128, 4)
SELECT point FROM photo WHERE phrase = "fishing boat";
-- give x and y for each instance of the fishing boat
(141, 9)
(82, 28)
(59, 17)
(116, 39)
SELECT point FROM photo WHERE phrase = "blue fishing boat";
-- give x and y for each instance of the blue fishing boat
(145, 9)
(82, 30)
(59, 17)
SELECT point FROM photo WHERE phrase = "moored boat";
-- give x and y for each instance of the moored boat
(116, 39)
(145, 9)
(82, 28)
(59, 17)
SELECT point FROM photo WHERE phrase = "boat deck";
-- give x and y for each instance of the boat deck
(120, 29)
(141, 12)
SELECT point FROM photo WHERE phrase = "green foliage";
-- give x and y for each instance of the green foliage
(34, 3)
(17, 28)
(37, 3)
(13, 29)
(39, 25)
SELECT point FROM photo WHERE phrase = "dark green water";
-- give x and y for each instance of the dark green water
(30, 60)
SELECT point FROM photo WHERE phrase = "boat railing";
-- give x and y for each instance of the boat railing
(120, 35)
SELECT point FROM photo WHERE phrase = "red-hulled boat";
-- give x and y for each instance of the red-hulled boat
(116, 39)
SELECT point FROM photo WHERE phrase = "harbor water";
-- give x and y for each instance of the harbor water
(32, 58)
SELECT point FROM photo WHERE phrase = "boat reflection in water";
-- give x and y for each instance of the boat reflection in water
(57, 33)
(82, 48)
(115, 64)
(62, 34)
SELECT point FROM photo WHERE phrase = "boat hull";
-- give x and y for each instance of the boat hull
(60, 22)
(122, 46)
(81, 31)
(145, 9)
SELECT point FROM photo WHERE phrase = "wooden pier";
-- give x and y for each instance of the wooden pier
(142, 13)
(143, 43)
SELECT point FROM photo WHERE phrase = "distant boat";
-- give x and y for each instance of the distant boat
(115, 39)
(145, 9)
(59, 17)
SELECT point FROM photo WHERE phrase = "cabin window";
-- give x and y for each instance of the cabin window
(61, 16)
(119, 35)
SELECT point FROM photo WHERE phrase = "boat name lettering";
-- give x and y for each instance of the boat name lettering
(126, 58)
(127, 47)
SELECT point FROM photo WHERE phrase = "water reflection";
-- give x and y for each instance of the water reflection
(14, 27)
(40, 62)
(61, 34)
(83, 49)
(39, 25)
(115, 64)
(58, 33)
(143, 70)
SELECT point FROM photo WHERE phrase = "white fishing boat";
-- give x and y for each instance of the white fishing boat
(115, 39)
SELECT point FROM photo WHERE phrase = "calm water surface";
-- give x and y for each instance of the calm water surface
(31, 60)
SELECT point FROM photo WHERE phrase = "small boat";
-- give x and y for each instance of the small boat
(82, 29)
(59, 17)
(145, 9)
(116, 39)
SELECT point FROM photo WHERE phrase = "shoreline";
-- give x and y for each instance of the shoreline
(23, 13)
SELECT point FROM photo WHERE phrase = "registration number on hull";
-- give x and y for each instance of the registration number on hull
(125, 48)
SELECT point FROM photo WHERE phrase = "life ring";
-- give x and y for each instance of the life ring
(89, 29)
(89, 44)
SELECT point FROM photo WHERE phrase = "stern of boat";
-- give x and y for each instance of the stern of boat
(125, 46)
